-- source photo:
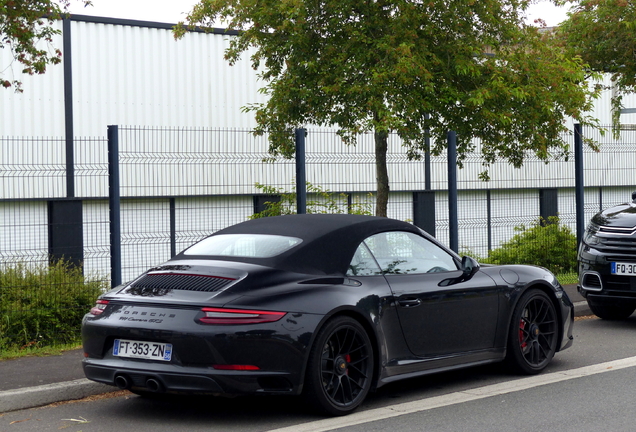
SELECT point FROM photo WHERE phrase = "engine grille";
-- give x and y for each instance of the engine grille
(617, 245)
(617, 230)
(185, 282)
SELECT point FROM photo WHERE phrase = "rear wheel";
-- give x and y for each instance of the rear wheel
(613, 312)
(532, 339)
(340, 367)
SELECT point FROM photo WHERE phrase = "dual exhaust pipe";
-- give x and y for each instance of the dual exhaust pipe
(124, 382)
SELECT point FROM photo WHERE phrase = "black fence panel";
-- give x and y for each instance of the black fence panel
(178, 185)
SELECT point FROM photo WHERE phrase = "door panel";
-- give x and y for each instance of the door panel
(446, 320)
(435, 320)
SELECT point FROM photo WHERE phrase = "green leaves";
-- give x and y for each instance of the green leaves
(603, 33)
(321, 201)
(26, 30)
(545, 243)
(44, 305)
(362, 65)
(414, 68)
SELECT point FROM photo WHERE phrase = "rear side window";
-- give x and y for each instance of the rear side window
(243, 245)
(363, 263)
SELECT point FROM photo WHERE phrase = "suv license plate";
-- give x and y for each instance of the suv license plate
(142, 350)
(625, 269)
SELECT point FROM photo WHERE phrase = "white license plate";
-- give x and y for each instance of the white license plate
(625, 269)
(142, 350)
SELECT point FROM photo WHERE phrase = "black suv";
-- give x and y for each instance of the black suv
(607, 262)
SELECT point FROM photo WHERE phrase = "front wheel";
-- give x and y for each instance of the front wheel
(533, 335)
(340, 368)
(611, 312)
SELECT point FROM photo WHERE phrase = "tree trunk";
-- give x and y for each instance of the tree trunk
(382, 174)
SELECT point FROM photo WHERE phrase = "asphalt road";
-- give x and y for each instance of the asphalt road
(580, 391)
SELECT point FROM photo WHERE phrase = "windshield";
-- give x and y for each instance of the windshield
(243, 245)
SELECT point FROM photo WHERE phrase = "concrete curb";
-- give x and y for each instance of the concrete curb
(581, 308)
(31, 397)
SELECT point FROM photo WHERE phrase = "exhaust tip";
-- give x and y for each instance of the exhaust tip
(153, 385)
(122, 382)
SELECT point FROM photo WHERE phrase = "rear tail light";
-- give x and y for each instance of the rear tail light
(99, 307)
(236, 367)
(238, 316)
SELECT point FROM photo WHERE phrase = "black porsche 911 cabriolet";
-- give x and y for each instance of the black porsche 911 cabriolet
(327, 306)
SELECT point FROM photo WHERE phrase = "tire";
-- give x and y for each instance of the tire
(532, 339)
(611, 312)
(340, 367)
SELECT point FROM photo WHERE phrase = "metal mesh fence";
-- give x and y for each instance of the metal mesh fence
(179, 185)
(43, 297)
(32, 167)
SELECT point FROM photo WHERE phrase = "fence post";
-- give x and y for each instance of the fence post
(301, 180)
(173, 227)
(68, 108)
(489, 218)
(427, 157)
(114, 205)
(453, 225)
(579, 184)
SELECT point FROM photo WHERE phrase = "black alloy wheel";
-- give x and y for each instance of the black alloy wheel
(340, 368)
(533, 335)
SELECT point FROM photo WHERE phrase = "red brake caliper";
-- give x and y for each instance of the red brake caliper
(522, 326)
(348, 360)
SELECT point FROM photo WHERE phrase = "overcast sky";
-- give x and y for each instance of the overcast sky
(172, 11)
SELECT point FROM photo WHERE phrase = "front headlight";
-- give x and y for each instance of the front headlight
(590, 238)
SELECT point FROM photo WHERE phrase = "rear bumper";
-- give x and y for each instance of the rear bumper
(277, 351)
(169, 378)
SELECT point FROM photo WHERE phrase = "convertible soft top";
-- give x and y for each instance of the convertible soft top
(328, 240)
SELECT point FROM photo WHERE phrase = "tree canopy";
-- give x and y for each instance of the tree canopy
(26, 30)
(417, 68)
(603, 33)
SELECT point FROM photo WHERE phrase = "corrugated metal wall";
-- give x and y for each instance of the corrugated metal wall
(39, 110)
(127, 74)
(134, 73)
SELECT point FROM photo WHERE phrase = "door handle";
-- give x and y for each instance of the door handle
(409, 302)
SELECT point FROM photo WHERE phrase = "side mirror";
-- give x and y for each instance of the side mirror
(469, 267)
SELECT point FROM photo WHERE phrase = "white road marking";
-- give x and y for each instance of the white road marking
(456, 398)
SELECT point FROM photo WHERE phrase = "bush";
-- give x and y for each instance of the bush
(324, 201)
(44, 305)
(546, 244)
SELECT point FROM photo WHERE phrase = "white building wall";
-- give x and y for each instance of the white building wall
(131, 75)
(126, 74)
(39, 110)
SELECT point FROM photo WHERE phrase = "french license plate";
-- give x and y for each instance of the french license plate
(142, 350)
(625, 269)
